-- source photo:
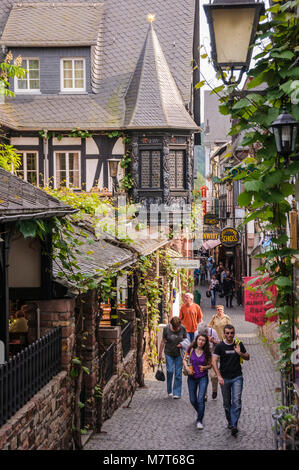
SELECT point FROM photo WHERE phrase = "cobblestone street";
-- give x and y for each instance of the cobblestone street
(156, 422)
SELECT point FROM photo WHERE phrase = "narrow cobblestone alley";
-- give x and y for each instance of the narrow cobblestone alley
(156, 422)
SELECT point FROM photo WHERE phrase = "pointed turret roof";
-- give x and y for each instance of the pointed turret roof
(153, 99)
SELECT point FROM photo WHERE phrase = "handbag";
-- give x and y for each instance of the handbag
(208, 293)
(188, 356)
(160, 374)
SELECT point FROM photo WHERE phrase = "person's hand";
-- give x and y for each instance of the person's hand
(190, 371)
(160, 358)
(238, 349)
(179, 345)
(221, 381)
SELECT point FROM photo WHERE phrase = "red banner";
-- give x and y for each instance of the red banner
(254, 302)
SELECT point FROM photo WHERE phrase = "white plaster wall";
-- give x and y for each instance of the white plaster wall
(119, 148)
(91, 147)
(67, 141)
(24, 141)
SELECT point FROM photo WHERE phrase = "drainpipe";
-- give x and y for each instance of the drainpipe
(46, 160)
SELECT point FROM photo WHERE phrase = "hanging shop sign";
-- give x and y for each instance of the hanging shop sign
(255, 302)
(185, 263)
(210, 219)
(229, 236)
(210, 235)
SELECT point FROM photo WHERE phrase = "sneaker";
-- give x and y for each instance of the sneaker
(199, 425)
(176, 396)
(234, 431)
(214, 395)
(229, 426)
(170, 395)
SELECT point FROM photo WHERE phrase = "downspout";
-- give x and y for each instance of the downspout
(46, 157)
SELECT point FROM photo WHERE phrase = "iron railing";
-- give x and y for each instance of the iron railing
(107, 363)
(28, 372)
(126, 338)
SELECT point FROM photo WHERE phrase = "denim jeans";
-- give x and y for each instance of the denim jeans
(197, 391)
(232, 394)
(190, 336)
(213, 297)
(174, 367)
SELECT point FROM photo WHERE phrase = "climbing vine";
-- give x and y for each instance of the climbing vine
(267, 178)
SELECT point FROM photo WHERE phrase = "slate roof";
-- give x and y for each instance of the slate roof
(48, 24)
(120, 42)
(96, 257)
(153, 99)
(22, 200)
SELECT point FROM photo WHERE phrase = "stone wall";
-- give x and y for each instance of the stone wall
(269, 332)
(44, 423)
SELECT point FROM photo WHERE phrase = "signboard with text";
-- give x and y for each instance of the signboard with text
(254, 303)
(229, 236)
(185, 263)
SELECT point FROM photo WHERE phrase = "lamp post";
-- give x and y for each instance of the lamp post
(113, 170)
(232, 25)
(285, 129)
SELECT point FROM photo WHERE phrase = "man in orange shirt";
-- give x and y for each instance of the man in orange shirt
(190, 315)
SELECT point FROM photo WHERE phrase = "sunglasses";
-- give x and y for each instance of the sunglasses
(229, 334)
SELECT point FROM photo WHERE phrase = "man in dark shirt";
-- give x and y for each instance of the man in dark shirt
(230, 353)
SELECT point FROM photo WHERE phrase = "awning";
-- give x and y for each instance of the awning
(210, 244)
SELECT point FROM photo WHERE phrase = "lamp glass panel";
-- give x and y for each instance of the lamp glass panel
(232, 29)
(276, 132)
(286, 137)
(113, 167)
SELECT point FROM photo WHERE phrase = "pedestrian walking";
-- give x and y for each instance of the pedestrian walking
(204, 329)
(214, 285)
(190, 315)
(197, 295)
(197, 362)
(203, 272)
(228, 289)
(230, 353)
(219, 320)
(173, 335)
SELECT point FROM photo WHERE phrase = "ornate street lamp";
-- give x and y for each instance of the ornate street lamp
(113, 170)
(232, 24)
(285, 129)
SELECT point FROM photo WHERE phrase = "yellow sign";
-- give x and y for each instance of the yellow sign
(210, 236)
(229, 236)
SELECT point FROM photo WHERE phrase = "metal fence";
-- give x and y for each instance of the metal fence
(107, 363)
(27, 372)
(126, 338)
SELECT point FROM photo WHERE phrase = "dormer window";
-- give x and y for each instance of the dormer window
(31, 82)
(73, 75)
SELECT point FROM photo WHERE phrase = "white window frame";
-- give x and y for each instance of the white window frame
(67, 152)
(28, 90)
(25, 170)
(72, 90)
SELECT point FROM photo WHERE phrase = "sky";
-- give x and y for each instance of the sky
(207, 69)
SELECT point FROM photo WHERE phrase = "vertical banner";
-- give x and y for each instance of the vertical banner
(254, 303)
